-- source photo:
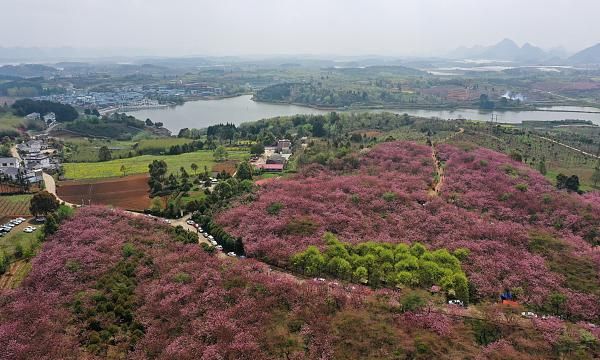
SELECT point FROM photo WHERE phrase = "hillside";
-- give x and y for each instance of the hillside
(590, 55)
(386, 224)
(520, 232)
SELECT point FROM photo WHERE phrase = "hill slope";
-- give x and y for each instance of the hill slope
(590, 55)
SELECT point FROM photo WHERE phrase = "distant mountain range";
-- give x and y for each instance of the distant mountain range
(506, 50)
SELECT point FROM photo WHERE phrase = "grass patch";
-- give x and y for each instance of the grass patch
(139, 164)
(579, 273)
(28, 242)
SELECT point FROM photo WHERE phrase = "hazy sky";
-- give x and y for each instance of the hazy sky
(352, 27)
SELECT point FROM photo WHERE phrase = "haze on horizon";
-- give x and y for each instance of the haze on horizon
(269, 27)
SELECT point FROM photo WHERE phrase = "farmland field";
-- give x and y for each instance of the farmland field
(14, 205)
(86, 150)
(130, 192)
(139, 164)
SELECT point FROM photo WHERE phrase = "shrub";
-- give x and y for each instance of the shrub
(274, 208)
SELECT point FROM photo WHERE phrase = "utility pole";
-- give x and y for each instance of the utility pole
(492, 121)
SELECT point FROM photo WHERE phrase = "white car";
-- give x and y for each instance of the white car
(456, 302)
(28, 230)
(167, 221)
(319, 279)
(205, 234)
(210, 237)
(231, 253)
(190, 222)
(213, 243)
(219, 247)
(528, 314)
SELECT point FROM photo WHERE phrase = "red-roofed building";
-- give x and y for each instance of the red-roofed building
(270, 167)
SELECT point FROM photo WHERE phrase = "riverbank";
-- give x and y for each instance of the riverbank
(443, 107)
(241, 109)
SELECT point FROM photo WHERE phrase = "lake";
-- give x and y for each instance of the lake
(203, 113)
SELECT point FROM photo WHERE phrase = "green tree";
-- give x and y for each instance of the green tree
(339, 267)
(361, 274)
(43, 203)
(556, 302)
(158, 169)
(3, 263)
(104, 154)
(596, 175)
(257, 149)
(542, 167)
(220, 154)
(51, 225)
(194, 168)
(244, 171)
(572, 183)
(123, 169)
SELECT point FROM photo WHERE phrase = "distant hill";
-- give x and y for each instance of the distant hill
(504, 50)
(590, 55)
(27, 70)
(380, 70)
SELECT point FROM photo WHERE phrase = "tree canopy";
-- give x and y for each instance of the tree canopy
(43, 203)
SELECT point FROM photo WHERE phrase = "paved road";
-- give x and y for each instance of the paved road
(50, 185)
(15, 153)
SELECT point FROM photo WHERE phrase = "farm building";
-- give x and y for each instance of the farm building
(270, 167)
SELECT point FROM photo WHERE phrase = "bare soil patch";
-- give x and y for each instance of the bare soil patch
(130, 192)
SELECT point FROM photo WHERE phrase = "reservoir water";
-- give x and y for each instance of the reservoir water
(203, 113)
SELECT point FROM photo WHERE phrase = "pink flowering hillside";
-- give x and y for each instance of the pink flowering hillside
(109, 285)
(513, 242)
(504, 189)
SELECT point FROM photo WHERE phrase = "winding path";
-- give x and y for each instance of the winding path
(50, 185)
(439, 169)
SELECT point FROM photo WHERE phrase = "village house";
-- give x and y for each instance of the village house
(33, 116)
(31, 147)
(50, 118)
(11, 167)
(276, 159)
(9, 162)
(284, 146)
(270, 167)
(38, 161)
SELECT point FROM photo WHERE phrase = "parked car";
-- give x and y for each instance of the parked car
(211, 237)
(219, 247)
(190, 222)
(28, 230)
(205, 234)
(528, 314)
(456, 302)
(213, 243)
(231, 253)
